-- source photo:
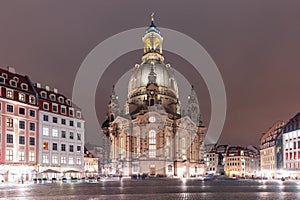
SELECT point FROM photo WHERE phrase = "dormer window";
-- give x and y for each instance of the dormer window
(21, 97)
(16, 79)
(68, 101)
(60, 99)
(4, 75)
(78, 114)
(2, 79)
(24, 86)
(71, 112)
(32, 99)
(13, 83)
(52, 97)
(44, 95)
(9, 93)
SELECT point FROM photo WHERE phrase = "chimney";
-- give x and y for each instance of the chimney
(55, 90)
(11, 69)
(47, 88)
(38, 85)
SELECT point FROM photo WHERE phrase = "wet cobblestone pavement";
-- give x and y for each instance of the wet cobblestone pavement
(155, 189)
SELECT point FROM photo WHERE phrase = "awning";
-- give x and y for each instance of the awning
(50, 171)
(71, 171)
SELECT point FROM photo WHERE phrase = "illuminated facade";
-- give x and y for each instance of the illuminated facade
(291, 147)
(91, 164)
(152, 136)
(18, 130)
(61, 134)
(242, 162)
(268, 158)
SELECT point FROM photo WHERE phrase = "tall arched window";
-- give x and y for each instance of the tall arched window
(152, 143)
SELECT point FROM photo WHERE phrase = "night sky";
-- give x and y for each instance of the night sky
(254, 43)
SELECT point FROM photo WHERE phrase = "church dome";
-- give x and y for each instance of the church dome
(164, 76)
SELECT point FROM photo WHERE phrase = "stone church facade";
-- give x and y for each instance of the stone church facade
(152, 136)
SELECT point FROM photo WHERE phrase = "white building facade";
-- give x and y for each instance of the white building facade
(61, 135)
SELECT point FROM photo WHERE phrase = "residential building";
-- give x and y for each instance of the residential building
(291, 147)
(61, 134)
(268, 158)
(241, 162)
(91, 167)
(18, 127)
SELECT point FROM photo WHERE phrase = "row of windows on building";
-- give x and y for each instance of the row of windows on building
(63, 109)
(53, 98)
(63, 147)
(268, 158)
(292, 145)
(63, 121)
(21, 96)
(63, 134)
(22, 124)
(291, 135)
(234, 164)
(295, 165)
(22, 140)
(22, 111)
(292, 156)
(21, 156)
(63, 160)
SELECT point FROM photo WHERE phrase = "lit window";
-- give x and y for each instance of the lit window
(9, 122)
(45, 146)
(9, 93)
(54, 159)
(46, 131)
(45, 159)
(63, 159)
(31, 156)
(54, 132)
(9, 155)
(10, 108)
(21, 155)
(32, 99)
(21, 97)
(152, 151)
(71, 160)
